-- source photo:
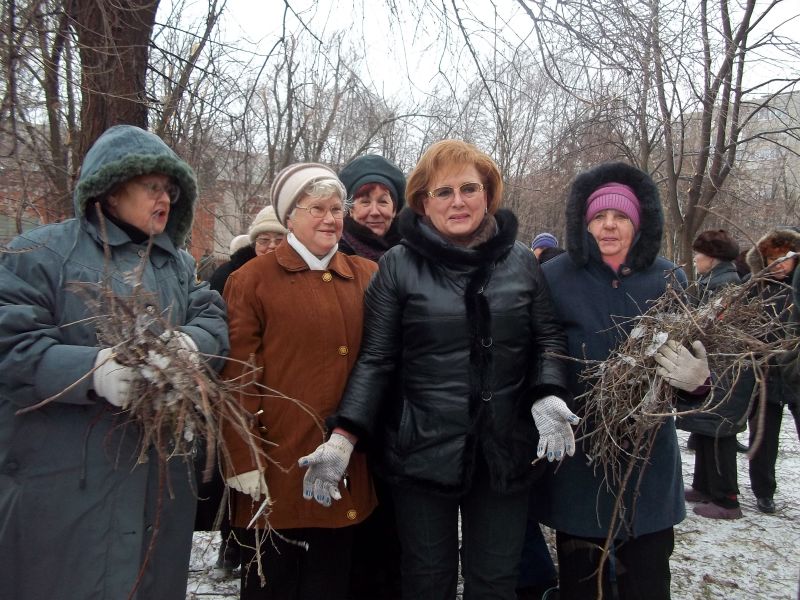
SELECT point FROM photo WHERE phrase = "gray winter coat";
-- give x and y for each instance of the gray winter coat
(77, 514)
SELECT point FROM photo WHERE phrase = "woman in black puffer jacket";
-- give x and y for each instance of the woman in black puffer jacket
(458, 345)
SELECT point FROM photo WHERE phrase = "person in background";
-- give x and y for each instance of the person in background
(376, 189)
(609, 275)
(206, 266)
(456, 385)
(81, 518)
(297, 312)
(541, 242)
(537, 572)
(773, 252)
(715, 483)
(264, 235)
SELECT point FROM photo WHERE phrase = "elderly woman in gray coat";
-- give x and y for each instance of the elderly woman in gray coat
(81, 518)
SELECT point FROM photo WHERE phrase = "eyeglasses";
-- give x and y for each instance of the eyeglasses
(266, 241)
(155, 189)
(317, 212)
(446, 192)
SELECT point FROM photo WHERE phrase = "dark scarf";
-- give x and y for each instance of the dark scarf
(363, 242)
(485, 231)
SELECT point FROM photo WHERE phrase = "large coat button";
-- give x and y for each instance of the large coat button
(344, 350)
(351, 514)
(326, 277)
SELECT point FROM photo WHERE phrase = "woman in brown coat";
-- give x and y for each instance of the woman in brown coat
(298, 311)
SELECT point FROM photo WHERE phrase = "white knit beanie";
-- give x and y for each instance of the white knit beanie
(290, 183)
(239, 242)
(265, 221)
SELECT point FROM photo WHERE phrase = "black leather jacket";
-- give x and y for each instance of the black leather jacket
(452, 359)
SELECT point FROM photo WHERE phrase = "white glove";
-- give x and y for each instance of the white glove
(554, 420)
(326, 466)
(683, 368)
(251, 483)
(182, 343)
(111, 380)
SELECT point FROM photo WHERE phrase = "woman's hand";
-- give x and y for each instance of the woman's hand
(326, 466)
(554, 421)
(681, 367)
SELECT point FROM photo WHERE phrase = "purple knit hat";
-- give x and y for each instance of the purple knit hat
(617, 196)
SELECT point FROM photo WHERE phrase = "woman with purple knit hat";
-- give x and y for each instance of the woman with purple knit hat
(610, 274)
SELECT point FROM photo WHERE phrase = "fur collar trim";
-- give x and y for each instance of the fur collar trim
(434, 248)
(778, 241)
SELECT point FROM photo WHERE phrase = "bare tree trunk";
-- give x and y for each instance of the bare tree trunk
(114, 40)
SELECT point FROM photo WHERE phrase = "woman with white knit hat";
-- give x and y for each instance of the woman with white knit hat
(297, 312)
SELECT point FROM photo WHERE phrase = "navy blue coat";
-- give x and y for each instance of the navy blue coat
(594, 303)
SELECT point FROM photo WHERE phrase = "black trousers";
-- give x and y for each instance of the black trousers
(492, 527)
(292, 572)
(375, 573)
(637, 569)
(762, 464)
(715, 469)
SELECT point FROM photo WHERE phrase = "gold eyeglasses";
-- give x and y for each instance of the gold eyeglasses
(318, 212)
(155, 189)
(446, 192)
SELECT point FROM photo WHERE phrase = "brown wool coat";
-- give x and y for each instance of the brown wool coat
(304, 328)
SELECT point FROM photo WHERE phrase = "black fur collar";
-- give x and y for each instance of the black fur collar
(647, 245)
(437, 249)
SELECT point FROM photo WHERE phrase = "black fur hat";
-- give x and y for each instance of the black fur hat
(716, 243)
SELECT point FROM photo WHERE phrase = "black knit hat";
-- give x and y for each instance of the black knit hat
(372, 168)
(716, 243)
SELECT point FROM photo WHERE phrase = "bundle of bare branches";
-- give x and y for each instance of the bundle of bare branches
(628, 400)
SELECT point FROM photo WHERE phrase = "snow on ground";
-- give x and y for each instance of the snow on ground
(757, 556)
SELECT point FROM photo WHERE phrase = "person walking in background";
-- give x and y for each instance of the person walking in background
(715, 483)
(774, 252)
(264, 235)
(297, 312)
(455, 386)
(376, 191)
(543, 241)
(81, 518)
(609, 275)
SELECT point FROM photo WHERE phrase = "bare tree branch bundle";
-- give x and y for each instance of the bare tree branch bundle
(628, 400)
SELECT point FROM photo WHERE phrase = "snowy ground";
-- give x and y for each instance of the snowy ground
(757, 556)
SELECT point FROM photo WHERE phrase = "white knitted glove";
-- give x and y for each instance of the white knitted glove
(183, 343)
(326, 466)
(111, 380)
(554, 421)
(250, 483)
(683, 368)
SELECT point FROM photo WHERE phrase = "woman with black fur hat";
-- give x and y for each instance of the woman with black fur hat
(775, 253)
(713, 433)
(609, 275)
(457, 384)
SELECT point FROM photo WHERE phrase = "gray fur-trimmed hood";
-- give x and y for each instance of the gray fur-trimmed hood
(126, 151)
(647, 244)
(778, 241)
